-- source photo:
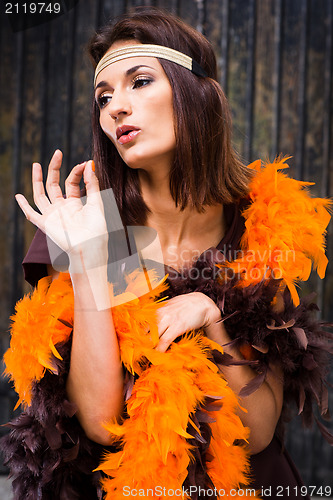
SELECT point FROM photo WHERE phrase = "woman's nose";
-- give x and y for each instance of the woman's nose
(119, 105)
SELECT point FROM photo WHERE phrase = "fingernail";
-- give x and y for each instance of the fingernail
(93, 165)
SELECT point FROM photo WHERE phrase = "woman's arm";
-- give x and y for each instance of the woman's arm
(95, 381)
(263, 407)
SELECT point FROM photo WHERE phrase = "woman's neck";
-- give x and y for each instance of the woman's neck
(180, 231)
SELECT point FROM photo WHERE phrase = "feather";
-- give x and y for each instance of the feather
(176, 384)
(30, 355)
(284, 325)
(64, 467)
(285, 230)
(253, 385)
(301, 401)
(325, 432)
(301, 337)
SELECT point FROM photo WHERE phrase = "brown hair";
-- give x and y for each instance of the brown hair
(206, 169)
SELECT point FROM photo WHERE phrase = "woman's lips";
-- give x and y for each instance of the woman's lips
(125, 138)
(126, 133)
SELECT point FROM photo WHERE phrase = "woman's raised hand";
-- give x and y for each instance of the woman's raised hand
(78, 229)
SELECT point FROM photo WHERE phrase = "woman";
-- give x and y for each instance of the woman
(161, 128)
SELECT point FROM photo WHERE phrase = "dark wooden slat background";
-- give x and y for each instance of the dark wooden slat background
(276, 66)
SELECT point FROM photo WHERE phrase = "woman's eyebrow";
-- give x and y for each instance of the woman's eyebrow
(103, 83)
(129, 72)
(135, 68)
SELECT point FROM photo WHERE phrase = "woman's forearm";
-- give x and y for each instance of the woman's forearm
(95, 380)
(263, 406)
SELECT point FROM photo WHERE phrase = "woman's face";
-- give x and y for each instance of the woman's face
(134, 96)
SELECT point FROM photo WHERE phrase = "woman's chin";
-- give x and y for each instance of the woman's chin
(143, 160)
(135, 160)
(135, 165)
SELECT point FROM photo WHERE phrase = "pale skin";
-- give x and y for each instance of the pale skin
(129, 92)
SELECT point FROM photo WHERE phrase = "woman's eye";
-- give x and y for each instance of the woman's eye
(141, 82)
(103, 100)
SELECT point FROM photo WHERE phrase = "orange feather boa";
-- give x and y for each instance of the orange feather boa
(155, 451)
(285, 230)
(171, 386)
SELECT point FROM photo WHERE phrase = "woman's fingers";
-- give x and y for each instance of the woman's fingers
(169, 328)
(53, 177)
(94, 196)
(40, 198)
(166, 339)
(182, 314)
(29, 212)
(90, 179)
(72, 183)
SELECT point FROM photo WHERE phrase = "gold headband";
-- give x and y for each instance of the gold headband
(147, 50)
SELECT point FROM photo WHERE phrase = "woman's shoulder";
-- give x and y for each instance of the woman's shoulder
(37, 258)
(35, 263)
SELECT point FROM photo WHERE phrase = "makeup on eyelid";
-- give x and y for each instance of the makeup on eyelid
(138, 82)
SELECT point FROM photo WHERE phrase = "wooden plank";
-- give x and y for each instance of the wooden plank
(11, 51)
(327, 167)
(82, 85)
(319, 114)
(303, 123)
(302, 83)
(130, 4)
(251, 79)
(277, 76)
(225, 36)
(237, 71)
(57, 105)
(289, 89)
(263, 81)
(109, 10)
(170, 5)
(317, 98)
(188, 11)
(215, 30)
(13, 100)
(34, 81)
(10, 54)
